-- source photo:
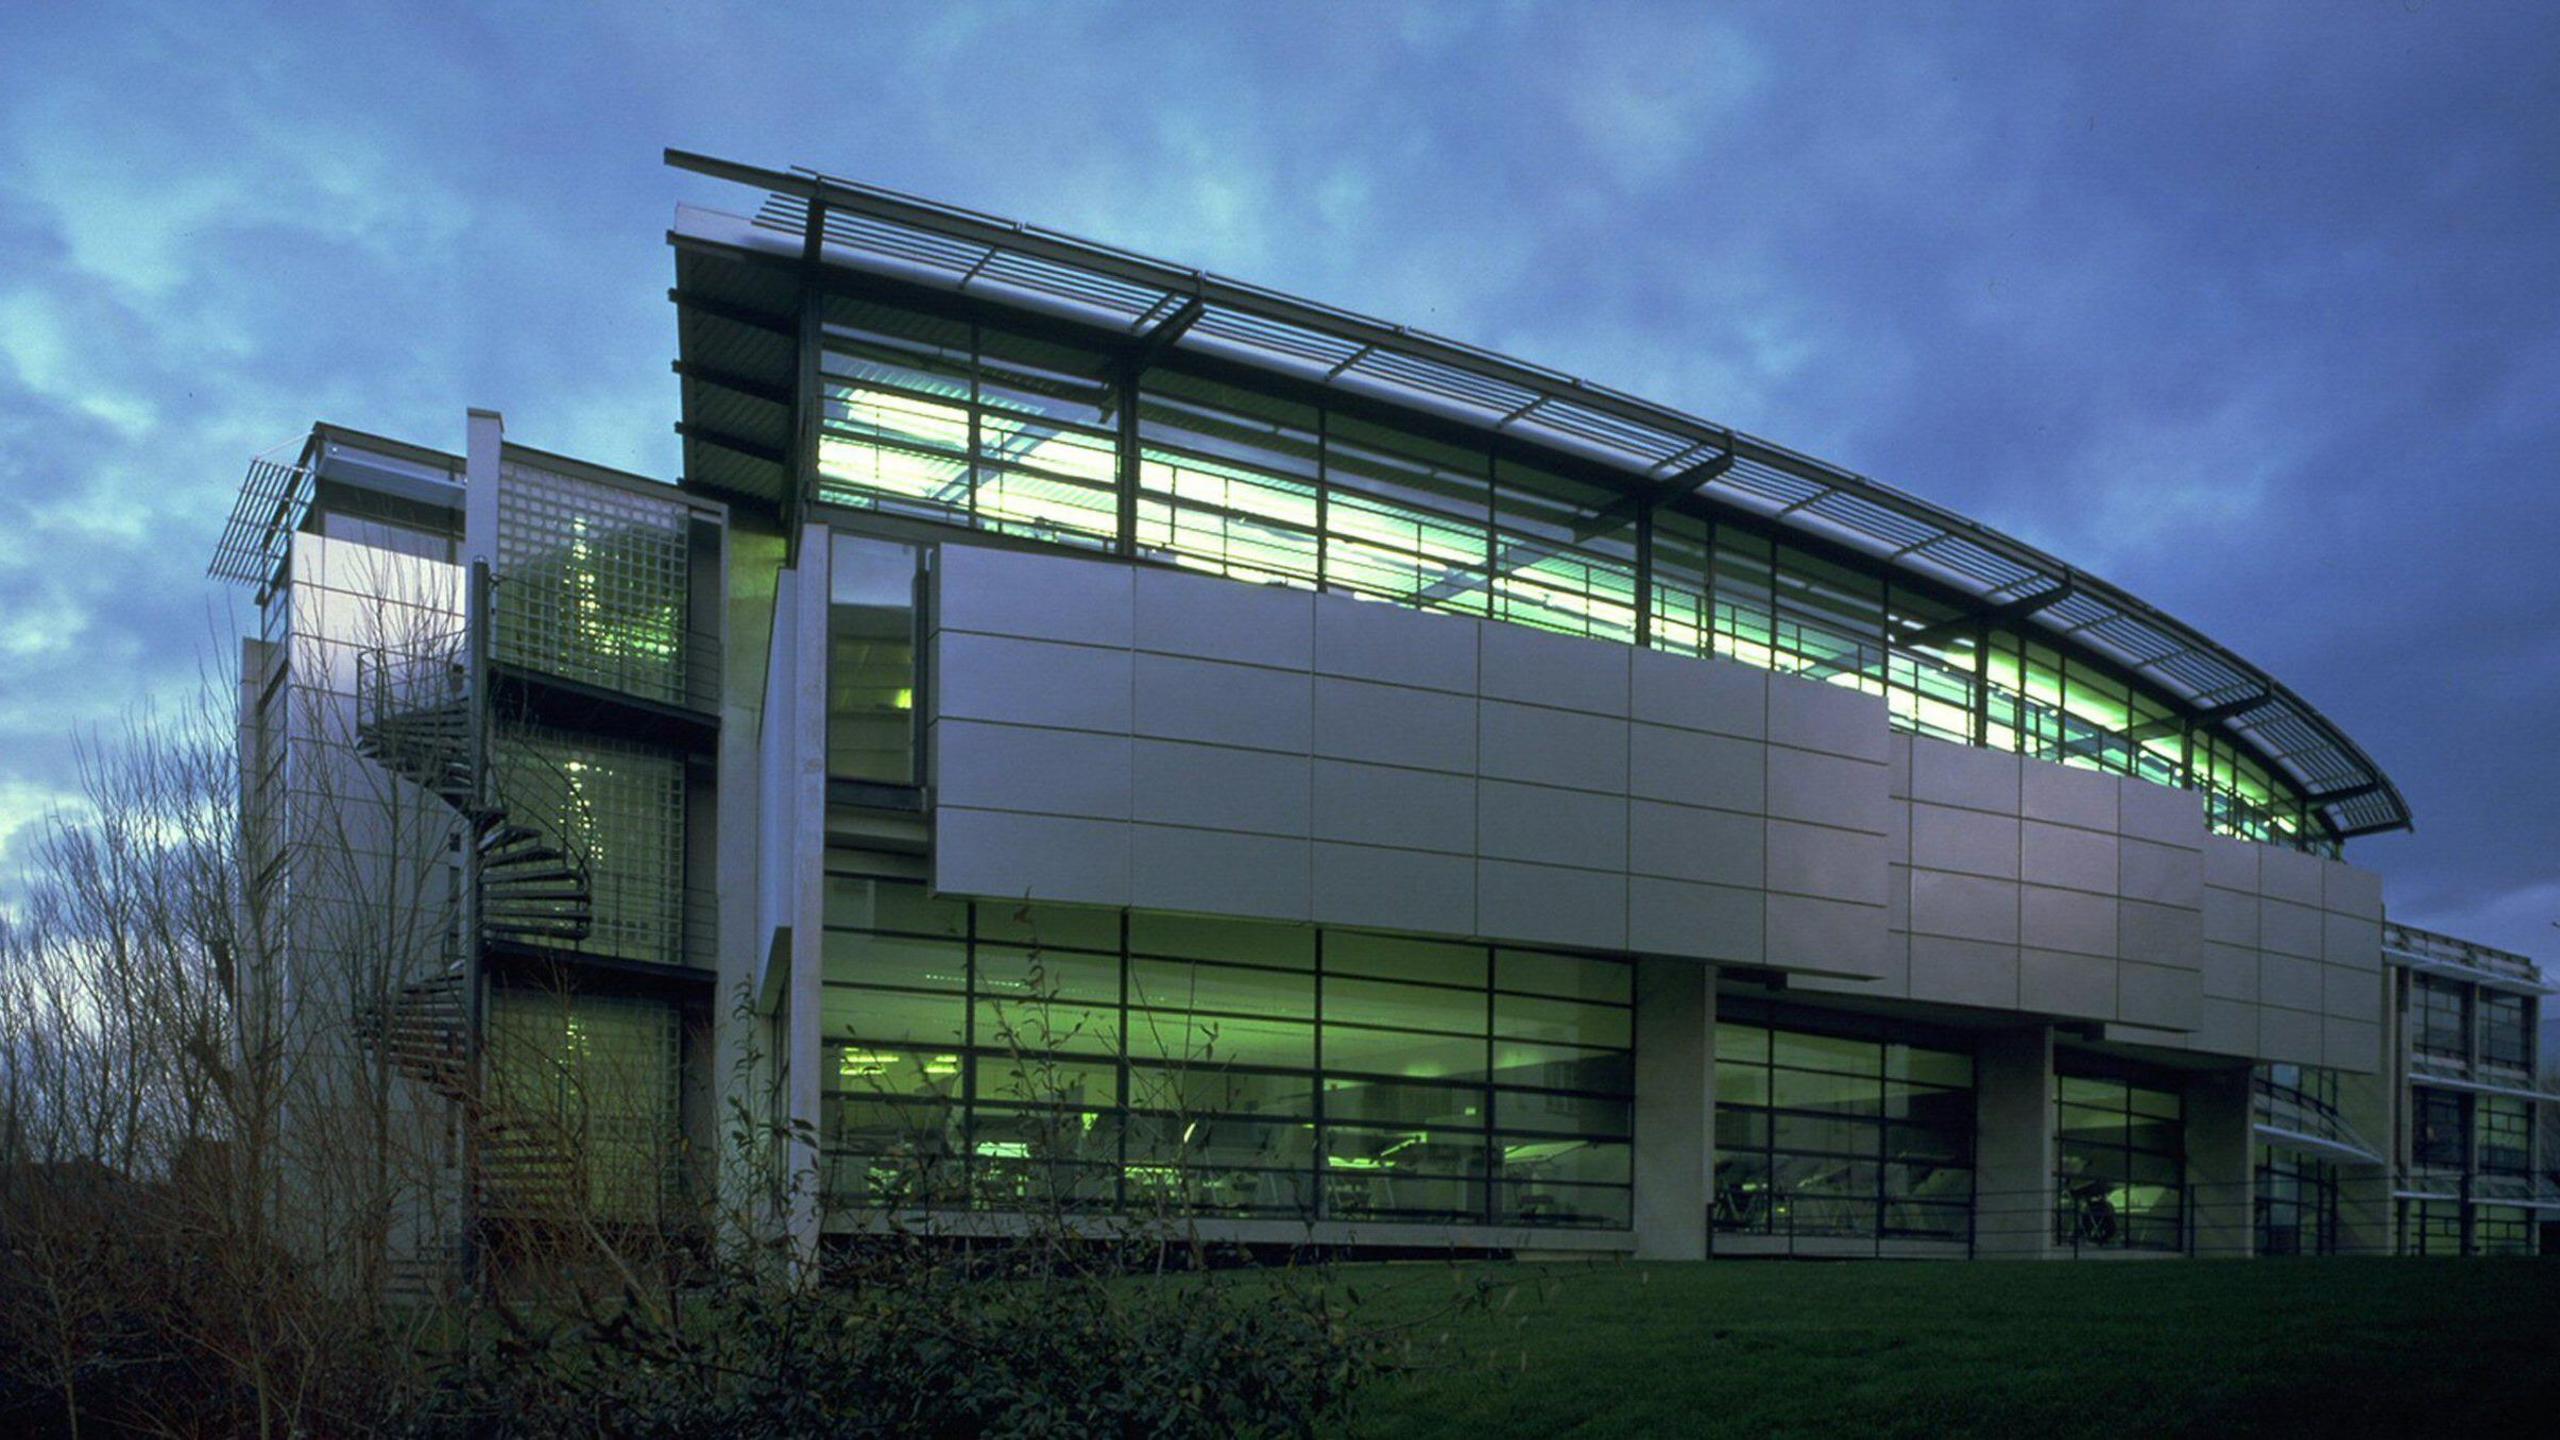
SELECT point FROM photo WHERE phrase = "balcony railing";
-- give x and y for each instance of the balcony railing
(2427, 950)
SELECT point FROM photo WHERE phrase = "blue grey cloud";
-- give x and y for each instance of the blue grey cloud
(2251, 309)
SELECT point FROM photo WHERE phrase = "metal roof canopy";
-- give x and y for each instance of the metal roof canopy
(1657, 450)
(273, 499)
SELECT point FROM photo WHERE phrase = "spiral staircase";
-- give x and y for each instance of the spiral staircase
(414, 718)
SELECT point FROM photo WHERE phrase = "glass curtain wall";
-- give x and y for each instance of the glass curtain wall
(1831, 1135)
(2502, 1230)
(2430, 1227)
(871, 661)
(2121, 1178)
(945, 420)
(2502, 1139)
(2506, 1035)
(2437, 1124)
(2300, 1098)
(967, 424)
(2440, 1019)
(2297, 1203)
(1002, 1056)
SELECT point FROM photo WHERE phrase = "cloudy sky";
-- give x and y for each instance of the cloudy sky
(2254, 310)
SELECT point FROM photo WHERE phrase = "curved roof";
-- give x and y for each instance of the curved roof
(1657, 451)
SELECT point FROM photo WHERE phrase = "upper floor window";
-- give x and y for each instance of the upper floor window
(871, 661)
(2506, 1030)
(2437, 1023)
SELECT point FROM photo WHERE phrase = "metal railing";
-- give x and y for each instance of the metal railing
(690, 679)
(2357, 1215)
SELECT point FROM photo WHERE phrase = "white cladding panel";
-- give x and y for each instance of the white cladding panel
(1116, 737)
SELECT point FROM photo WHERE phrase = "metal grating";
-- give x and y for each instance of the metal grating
(273, 499)
(627, 811)
(870, 228)
(595, 586)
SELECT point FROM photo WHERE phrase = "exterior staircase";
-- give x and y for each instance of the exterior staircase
(536, 889)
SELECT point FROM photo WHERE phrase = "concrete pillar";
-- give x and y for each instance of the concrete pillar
(1675, 1107)
(2013, 1144)
(486, 437)
(2222, 1163)
(802, 771)
(742, 1057)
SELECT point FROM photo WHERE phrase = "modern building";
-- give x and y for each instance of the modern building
(1083, 732)
(2471, 1138)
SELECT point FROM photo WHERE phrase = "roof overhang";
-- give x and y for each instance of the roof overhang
(737, 323)
(2323, 1146)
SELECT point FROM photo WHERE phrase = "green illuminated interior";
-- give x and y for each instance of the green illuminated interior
(583, 1102)
(961, 423)
(998, 1055)
(1834, 1135)
(2121, 1146)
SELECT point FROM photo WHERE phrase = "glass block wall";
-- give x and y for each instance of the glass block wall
(594, 586)
(584, 1092)
(622, 803)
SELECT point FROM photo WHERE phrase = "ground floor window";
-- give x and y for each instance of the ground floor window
(1005, 1056)
(2430, 1227)
(2297, 1204)
(2121, 1151)
(1837, 1135)
(2502, 1230)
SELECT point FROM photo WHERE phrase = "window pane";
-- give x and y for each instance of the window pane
(1179, 985)
(1582, 1114)
(1828, 1052)
(1241, 942)
(1220, 1039)
(1219, 1089)
(1350, 952)
(1570, 976)
(854, 958)
(1839, 1094)
(1409, 1007)
(1383, 1102)
(1563, 1021)
(1393, 1052)
(889, 1015)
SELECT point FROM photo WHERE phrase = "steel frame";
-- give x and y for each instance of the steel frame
(1649, 451)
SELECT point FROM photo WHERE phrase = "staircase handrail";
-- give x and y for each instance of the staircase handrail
(531, 789)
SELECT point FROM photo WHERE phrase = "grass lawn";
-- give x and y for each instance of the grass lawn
(2408, 1348)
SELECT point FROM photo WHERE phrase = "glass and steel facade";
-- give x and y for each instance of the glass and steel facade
(2475, 1108)
(940, 416)
(996, 1055)
(1839, 1135)
(872, 674)
(2121, 1149)
(2297, 1204)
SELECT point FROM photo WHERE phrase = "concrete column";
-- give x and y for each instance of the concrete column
(802, 894)
(1675, 1107)
(737, 1018)
(480, 469)
(2013, 1144)
(2222, 1163)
